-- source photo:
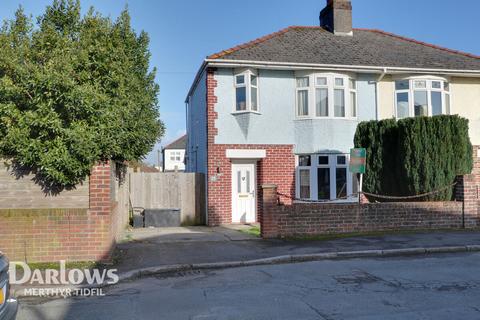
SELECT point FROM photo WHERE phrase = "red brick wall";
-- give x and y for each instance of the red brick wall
(44, 235)
(298, 220)
(278, 166)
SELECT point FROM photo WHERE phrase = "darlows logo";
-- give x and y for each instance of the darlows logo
(61, 276)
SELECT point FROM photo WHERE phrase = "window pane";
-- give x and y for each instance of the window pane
(321, 81)
(354, 184)
(342, 160)
(321, 102)
(353, 104)
(302, 82)
(402, 105)
(304, 184)
(240, 79)
(241, 99)
(447, 104)
(341, 182)
(253, 80)
(323, 160)
(420, 84)
(436, 84)
(302, 102)
(323, 181)
(253, 98)
(339, 81)
(436, 103)
(402, 85)
(353, 84)
(248, 180)
(304, 161)
(420, 103)
(339, 103)
(446, 86)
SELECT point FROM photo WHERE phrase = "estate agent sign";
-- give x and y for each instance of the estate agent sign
(358, 158)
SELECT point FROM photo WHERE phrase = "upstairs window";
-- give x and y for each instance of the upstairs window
(303, 84)
(326, 95)
(246, 92)
(421, 97)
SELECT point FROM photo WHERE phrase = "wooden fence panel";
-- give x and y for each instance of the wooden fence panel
(184, 191)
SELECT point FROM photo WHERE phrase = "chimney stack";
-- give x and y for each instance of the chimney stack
(336, 17)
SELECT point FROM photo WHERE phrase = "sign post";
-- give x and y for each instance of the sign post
(358, 160)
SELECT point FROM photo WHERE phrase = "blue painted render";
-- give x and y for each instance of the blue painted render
(272, 125)
(197, 128)
(324, 135)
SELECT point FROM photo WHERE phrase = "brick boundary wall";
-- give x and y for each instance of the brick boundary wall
(278, 166)
(46, 235)
(301, 219)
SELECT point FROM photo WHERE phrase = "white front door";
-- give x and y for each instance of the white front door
(244, 201)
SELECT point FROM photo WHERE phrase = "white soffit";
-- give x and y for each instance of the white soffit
(246, 153)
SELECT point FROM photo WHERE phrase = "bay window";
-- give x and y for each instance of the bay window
(330, 95)
(421, 97)
(324, 177)
(246, 92)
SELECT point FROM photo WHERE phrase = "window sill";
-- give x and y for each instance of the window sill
(245, 111)
(342, 201)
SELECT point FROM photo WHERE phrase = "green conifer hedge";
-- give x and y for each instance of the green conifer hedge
(415, 155)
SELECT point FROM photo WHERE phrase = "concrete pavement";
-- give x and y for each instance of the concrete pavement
(161, 250)
(421, 287)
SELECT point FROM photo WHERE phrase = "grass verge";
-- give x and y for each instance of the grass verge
(253, 231)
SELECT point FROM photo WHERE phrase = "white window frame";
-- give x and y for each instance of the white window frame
(332, 165)
(248, 90)
(445, 94)
(309, 97)
(330, 86)
(297, 176)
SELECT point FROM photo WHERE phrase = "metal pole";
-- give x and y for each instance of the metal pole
(360, 185)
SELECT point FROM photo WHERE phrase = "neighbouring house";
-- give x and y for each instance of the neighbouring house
(283, 109)
(174, 155)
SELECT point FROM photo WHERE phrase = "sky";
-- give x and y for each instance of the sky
(183, 32)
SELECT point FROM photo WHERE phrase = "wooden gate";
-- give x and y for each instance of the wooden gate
(185, 191)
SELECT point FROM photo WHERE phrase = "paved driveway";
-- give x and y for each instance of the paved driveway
(423, 287)
(189, 234)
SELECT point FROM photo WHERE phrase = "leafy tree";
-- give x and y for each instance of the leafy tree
(74, 91)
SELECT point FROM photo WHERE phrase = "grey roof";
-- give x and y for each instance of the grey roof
(180, 143)
(366, 47)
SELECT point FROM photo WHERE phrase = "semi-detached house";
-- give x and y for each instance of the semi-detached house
(284, 108)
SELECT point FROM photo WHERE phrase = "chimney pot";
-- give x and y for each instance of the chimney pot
(336, 17)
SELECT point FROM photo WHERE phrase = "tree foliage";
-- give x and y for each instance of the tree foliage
(415, 155)
(74, 91)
